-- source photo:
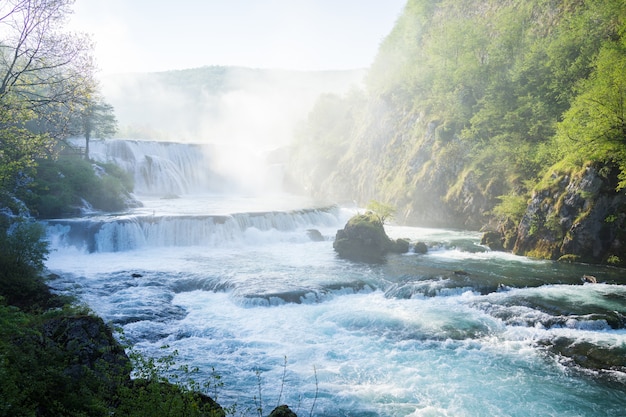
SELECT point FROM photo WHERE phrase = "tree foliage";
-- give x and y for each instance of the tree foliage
(45, 75)
(47, 94)
(61, 187)
(483, 97)
(594, 128)
(94, 118)
(383, 211)
(39, 64)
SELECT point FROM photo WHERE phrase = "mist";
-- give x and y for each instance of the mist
(249, 115)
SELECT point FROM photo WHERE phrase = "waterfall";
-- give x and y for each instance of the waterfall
(162, 168)
(118, 234)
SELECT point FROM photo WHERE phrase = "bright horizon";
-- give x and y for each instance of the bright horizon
(148, 36)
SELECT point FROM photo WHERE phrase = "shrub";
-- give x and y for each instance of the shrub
(23, 251)
(381, 210)
(62, 185)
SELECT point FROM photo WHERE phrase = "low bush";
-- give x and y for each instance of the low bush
(62, 186)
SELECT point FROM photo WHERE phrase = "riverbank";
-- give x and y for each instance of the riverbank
(61, 359)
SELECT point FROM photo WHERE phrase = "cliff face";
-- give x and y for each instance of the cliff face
(579, 217)
(466, 109)
(401, 157)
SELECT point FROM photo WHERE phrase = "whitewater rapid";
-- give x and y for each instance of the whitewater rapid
(236, 286)
(454, 332)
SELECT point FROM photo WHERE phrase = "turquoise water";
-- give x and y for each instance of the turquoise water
(238, 289)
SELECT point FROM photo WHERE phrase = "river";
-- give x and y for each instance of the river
(236, 286)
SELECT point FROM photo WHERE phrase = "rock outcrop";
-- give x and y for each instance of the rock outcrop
(93, 361)
(315, 235)
(577, 217)
(364, 239)
(89, 349)
(282, 411)
(588, 355)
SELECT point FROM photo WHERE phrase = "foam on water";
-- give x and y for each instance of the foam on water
(375, 356)
(236, 286)
(242, 310)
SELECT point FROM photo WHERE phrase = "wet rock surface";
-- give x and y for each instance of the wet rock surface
(364, 239)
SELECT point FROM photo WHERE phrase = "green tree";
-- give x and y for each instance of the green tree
(23, 251)
(39, 64)
(594, 128)
(44, 73)
(19, 148)
(381, 210)
(95, 118)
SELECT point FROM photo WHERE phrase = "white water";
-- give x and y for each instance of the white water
(234, 284)
(167, 168)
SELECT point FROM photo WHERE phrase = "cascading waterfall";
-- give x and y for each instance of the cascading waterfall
(236, 286)
(114, 234)
(162, 168)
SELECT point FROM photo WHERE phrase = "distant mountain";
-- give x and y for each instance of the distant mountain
(218, 103)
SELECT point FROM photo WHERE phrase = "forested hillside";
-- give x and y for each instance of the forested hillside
(506, 115)
(210, 103)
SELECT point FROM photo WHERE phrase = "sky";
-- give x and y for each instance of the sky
(160, 35)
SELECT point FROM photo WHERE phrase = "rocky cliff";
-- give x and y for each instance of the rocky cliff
(406, 160)
(501, 116)
(577, 217)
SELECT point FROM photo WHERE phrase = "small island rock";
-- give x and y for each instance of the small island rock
(364, 239)
(315, 235)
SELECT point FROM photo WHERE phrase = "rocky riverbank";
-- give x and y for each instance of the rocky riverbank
(64, 360)
(575, 217)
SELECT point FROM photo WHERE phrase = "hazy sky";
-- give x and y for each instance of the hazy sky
(157, 35)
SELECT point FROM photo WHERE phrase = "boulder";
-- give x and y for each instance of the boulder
(589, 279)
(399, 246)
(88, 345)
(364, 239)
(493, 240)
(315, 235)
(420, 247)
(282, 411)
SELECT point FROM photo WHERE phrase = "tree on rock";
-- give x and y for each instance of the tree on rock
(382, 210)
(363, 238)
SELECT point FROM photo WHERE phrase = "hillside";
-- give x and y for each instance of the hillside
(209, 104)
(501, 115)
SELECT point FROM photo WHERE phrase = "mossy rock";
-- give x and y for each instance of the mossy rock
(569, 258)
(493, 240)
(363, 239)
(282, 411)
(399, 246)
(420, 247)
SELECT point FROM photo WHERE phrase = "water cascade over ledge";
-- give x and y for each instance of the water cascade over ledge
(128, 232)
(237, 287)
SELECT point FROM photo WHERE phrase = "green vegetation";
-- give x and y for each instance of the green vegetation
(22, 254)
(497, 79)
(47, 94)
(470, 105)
(95, 118)
(152, 393)
(59, 360)
(56, 359)
(61, 185)
(381, 210)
